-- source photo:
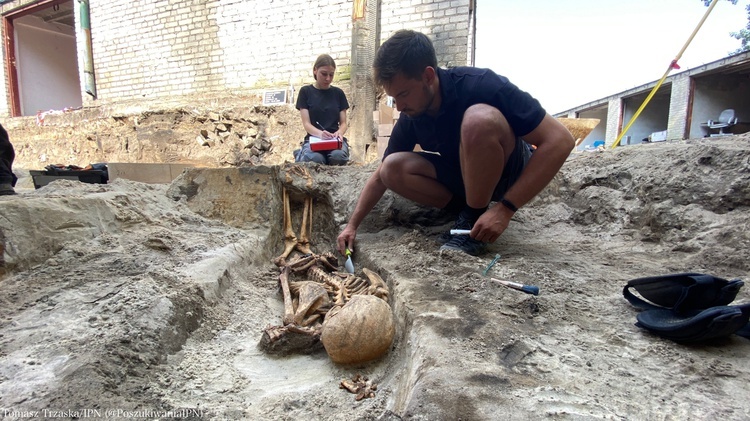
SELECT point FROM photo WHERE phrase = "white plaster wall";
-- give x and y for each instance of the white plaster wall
(654, 118)
(600, 131)
(714, 94)
(47, 66)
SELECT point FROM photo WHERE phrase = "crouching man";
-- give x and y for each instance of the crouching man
(479, 128)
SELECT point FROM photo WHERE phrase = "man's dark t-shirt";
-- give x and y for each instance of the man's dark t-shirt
(460, 88)
(324, 106)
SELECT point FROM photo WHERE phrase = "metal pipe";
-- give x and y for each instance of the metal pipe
(88, 55)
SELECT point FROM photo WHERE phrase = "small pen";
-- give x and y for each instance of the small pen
(322, 135)
(324, 129)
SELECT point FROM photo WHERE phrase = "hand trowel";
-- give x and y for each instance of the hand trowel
(349, 265)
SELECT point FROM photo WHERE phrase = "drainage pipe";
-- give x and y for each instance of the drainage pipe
(88, 55)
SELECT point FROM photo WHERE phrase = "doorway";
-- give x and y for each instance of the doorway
(41, 58)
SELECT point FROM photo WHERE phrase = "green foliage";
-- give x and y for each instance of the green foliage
(708, 2)
(743, 34)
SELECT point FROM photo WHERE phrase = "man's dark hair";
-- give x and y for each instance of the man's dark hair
(407, 52)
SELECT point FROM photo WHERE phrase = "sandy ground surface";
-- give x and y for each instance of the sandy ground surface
(130, 300)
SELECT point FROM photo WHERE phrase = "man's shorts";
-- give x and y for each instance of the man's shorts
(450, 176)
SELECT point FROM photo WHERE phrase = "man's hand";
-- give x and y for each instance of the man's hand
(368, 198)
(346, 240)
(492, 224)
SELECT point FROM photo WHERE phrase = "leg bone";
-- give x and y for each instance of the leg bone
(290, 239)
(288, 304)
(305, 232)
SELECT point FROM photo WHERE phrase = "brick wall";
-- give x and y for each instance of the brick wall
(180, 50)
(152, 48)
(448, 23)
(678, 107)
(614, 121)
(4, 103)
(146, 49)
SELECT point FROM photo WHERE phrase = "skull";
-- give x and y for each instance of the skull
(360, 331)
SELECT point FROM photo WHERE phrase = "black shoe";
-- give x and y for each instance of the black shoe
(6, 190)
(465, 244)
(461, 223)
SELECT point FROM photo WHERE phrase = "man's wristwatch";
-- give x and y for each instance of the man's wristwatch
(508, 204)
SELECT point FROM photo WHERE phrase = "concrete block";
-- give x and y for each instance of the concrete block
(386, 114)
(145, 173)
(382, 144)
(385, 129)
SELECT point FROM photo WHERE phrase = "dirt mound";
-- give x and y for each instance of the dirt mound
(152, 298)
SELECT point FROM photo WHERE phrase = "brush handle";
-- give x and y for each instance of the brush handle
(529, 289)
(460, 232)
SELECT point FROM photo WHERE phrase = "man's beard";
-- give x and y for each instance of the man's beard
(427, 90)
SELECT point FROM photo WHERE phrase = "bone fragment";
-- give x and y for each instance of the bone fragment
(288, 305)
(311, 297)
(303, 244)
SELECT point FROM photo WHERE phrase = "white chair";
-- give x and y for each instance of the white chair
(726, 119)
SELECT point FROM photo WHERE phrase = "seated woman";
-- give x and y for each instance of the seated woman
(323, 111)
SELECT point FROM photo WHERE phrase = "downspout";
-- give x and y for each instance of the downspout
(88, 54)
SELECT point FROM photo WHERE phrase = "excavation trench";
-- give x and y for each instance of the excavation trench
(243, 297)
(158, 295)
(149, 297)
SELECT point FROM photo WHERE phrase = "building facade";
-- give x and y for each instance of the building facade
(88, 53)
(679, 109)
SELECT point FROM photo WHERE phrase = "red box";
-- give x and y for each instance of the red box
(318, 145)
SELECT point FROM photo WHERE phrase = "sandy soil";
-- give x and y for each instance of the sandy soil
(152, 298)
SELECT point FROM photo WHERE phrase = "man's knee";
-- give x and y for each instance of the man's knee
(394, 168)
(389, 170)
(398, 167)
(484, 122)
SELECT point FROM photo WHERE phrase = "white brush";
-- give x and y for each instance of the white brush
(349, 265)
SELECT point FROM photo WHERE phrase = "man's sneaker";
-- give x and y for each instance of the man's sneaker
(465, 244)
(6, 189)
(445, 237)
(462, 223)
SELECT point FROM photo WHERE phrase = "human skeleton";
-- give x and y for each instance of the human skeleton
(312, 287)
